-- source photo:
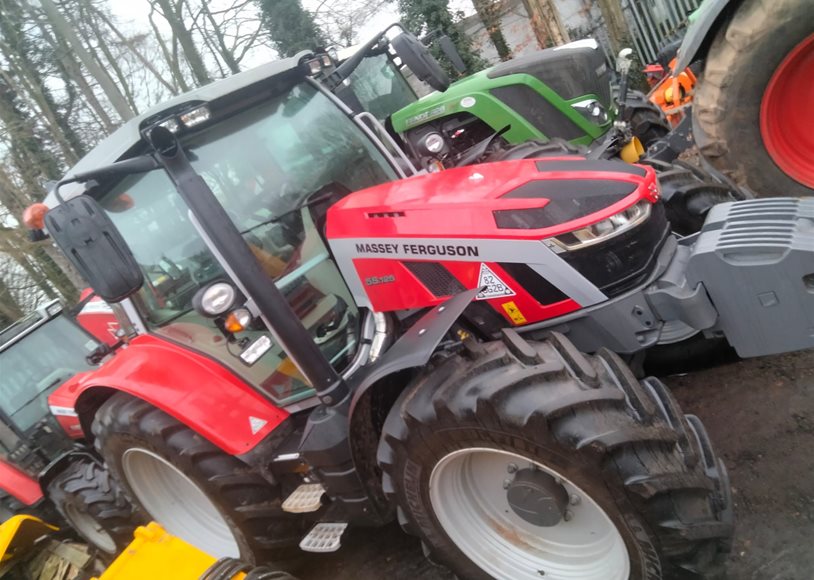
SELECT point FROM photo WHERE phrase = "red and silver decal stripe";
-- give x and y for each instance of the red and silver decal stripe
(531, 252)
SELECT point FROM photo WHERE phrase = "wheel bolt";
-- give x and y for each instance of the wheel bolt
(511, 468)
(506, 483)
(568, 516)
(574, 499)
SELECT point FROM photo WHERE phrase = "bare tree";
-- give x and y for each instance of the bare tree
(173, 12)
(63, 29)
(342, 20)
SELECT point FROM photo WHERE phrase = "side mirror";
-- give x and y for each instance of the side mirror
(93, 244)
(419, 60)
(451, 52)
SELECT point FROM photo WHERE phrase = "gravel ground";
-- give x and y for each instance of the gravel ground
(760, 416)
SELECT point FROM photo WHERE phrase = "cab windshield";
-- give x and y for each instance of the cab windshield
(275, 168)
(36, 364)
(380, 87)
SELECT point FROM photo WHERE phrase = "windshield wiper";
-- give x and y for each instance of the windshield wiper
(323, 193)
(53, 383)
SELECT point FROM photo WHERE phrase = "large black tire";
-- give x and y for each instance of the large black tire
(249, 504)
(93, 504)
(726, 109)
(556, 147)
(625, 444)
(647, 121)
(689, 193)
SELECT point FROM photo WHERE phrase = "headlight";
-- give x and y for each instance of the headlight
(434, 142)
(592, 110)
(195, 116)
(603, 230)
(217, 298)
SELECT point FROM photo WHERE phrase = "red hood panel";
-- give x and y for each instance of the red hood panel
(460, 202)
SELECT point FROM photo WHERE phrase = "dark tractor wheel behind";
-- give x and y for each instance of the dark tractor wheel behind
(730, 126)
(535, 149)
(88, 498)
(689, 193)
(195, 490)
(647, 121)
(563, 464)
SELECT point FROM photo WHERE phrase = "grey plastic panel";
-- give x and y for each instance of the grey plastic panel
(756, 261)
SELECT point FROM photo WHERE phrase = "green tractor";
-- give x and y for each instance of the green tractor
(555, 101)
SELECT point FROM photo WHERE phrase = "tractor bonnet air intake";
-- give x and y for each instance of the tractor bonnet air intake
(543, 237)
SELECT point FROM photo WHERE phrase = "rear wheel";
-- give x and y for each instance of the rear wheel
(196, 491)
(532, 460)
(92, 503)
(752, 108)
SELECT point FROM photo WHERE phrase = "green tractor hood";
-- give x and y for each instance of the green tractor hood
(534, 95)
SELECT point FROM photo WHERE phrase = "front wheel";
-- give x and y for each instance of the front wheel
(535, 461)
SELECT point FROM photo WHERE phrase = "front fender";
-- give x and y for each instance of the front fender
(19, 484)
(192, 388)
(703, 26)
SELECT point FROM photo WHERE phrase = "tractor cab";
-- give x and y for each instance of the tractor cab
(38, 354)
(277, 150)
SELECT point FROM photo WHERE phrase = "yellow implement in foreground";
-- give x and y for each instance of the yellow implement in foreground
(19, 534)
(152, 554)
(156, 554)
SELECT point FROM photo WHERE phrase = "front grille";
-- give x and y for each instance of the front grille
(621, 263)
(533, 107)
(435, 277)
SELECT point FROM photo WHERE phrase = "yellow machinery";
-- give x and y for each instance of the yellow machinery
(153, 553)
(18, 535)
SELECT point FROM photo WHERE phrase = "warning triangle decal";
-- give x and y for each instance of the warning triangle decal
(256, 424)
(494, 286)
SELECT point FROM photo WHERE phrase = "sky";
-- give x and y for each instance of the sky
(133, 14)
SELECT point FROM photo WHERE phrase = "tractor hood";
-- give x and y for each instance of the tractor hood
(515, 199)
(573, 71)
(412, 243)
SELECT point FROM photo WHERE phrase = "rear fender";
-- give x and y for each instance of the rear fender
(19, 484)
(192, 388)
(705, 23)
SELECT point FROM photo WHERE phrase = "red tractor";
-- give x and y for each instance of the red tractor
(43, 470)
(299, 357)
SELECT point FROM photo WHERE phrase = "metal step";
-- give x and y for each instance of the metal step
(323, 537)
(306, 498)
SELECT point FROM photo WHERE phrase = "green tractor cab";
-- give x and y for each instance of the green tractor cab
(540, 96)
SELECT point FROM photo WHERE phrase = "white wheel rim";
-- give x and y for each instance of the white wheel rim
(469, 499)
(90, 529)
(177, 503)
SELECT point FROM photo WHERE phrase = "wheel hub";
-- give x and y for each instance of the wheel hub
(537, 498)
(90, 528)
(785, 114)
(469, 491)
(177, 503)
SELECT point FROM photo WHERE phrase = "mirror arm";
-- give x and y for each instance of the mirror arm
(141, 164)
(346, 69)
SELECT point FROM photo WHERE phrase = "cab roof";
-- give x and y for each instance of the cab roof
(115, 146)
